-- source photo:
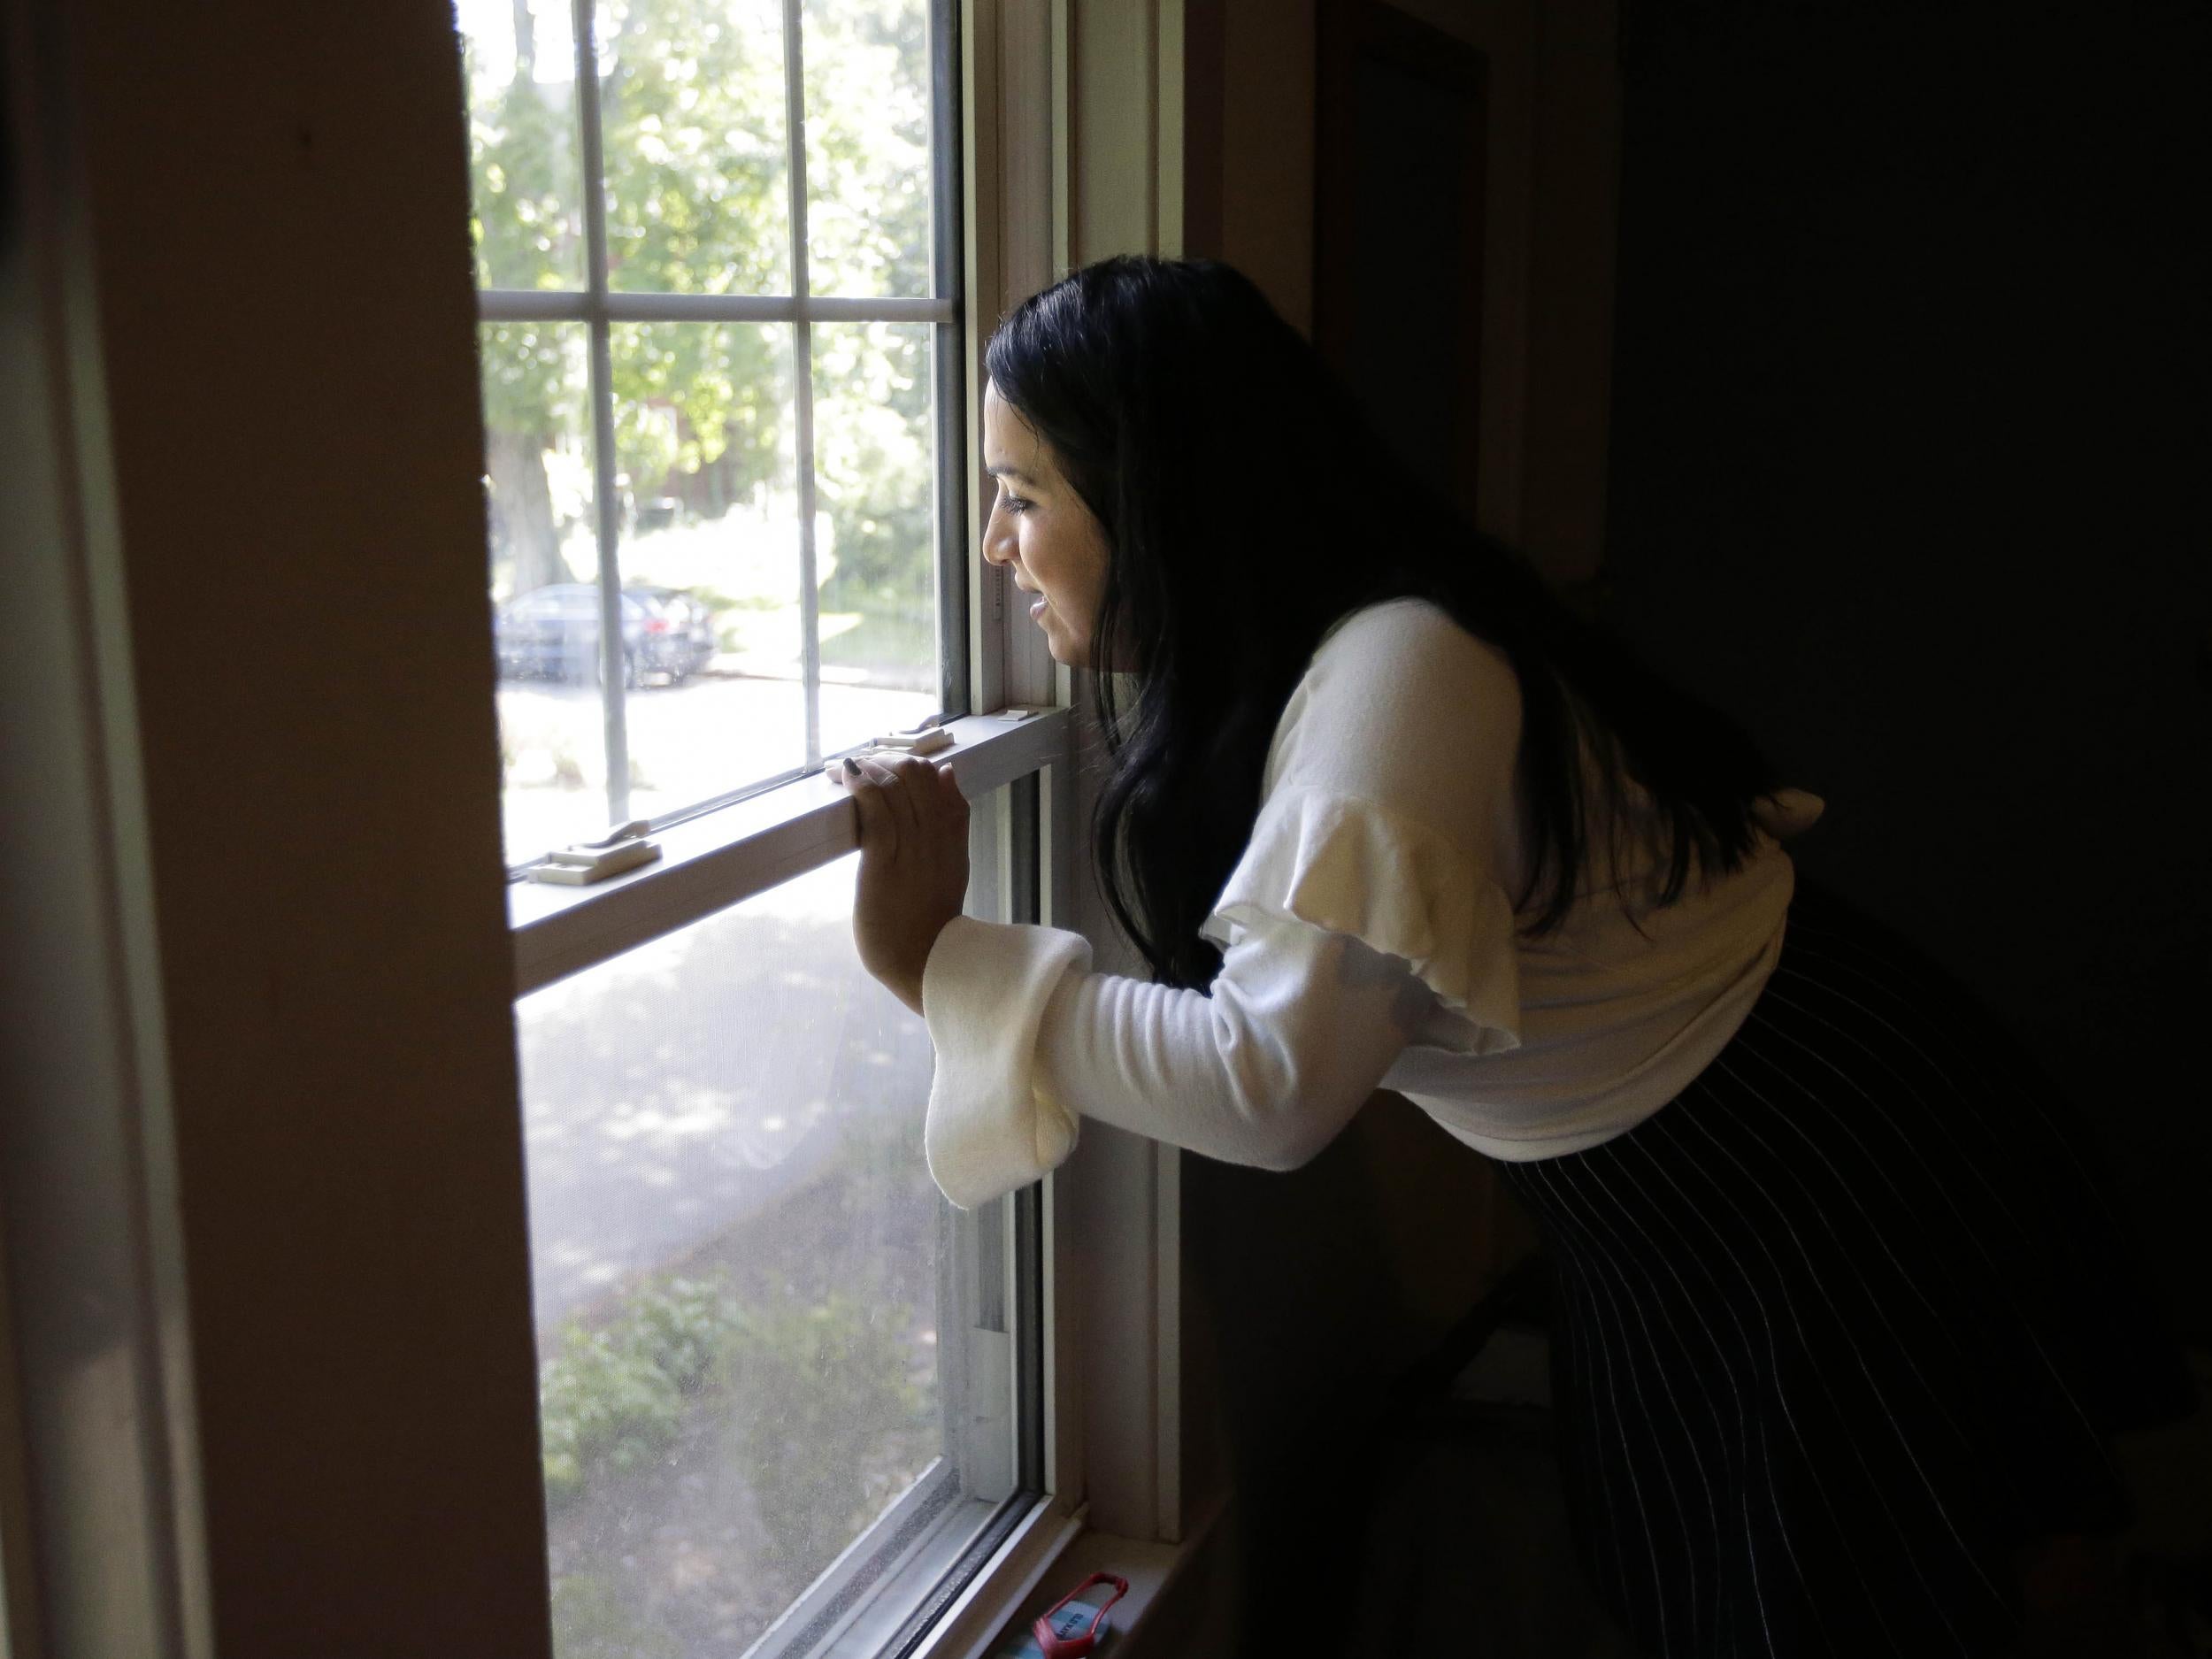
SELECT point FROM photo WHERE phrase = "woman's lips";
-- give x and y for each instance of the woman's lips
(1037, 609)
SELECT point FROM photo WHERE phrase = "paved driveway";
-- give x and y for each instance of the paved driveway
(695, 1081)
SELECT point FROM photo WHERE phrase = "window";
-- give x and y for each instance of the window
(789, 1398)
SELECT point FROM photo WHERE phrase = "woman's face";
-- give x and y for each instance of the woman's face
(1040, 528)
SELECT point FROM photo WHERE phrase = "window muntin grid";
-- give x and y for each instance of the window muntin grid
(567, 206)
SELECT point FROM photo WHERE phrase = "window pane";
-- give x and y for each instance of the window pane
(523, 145)
(544, 557)
(867, 146)
(745, 1354)
(698, 180)
(875, 470)
(709, 553)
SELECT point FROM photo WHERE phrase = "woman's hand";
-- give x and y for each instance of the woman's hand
(913, 867)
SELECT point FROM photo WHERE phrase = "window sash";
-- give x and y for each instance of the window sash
(599, 308)
(720, 857)
(887, 1591)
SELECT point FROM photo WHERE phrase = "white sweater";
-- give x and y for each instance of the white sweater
(1368, 941)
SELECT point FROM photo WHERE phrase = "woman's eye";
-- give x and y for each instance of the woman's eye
(1013, 503)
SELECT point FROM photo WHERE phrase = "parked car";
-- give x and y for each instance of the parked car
(691, 622)
(552, 632)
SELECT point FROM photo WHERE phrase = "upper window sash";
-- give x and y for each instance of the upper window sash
(599, 305)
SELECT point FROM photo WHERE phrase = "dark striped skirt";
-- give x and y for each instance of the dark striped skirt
(1844, 1325)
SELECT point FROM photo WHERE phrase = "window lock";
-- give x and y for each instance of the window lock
(624, 848)
(926, 739)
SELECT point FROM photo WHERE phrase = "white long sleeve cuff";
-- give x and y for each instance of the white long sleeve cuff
(984, 991)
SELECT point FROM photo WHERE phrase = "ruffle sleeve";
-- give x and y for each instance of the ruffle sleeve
(1353, 866)
(984, 992)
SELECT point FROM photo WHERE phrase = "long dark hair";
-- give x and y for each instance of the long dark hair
(1247, 507)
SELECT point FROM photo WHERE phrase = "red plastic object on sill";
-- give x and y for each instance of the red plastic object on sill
(1073, 1644)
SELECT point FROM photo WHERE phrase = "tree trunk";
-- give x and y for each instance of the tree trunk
(522, 504)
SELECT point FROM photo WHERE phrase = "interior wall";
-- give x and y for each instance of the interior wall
(1550, 233)
(281, 490)
(1909, 446)
(1266, 133)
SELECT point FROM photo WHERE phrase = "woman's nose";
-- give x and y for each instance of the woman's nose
(998, 546)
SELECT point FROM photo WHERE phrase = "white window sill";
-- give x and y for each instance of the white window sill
(723, 856)
(1044, 1559)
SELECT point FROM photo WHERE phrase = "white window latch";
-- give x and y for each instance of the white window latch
(926, 739)
(582, 863)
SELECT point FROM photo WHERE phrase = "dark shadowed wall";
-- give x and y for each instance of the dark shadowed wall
(1908, 469)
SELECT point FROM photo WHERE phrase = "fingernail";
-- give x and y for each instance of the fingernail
(852, 766)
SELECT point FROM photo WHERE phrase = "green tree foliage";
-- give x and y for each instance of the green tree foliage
(614, 1397)
(868, 233)
(695, 141)
(822, 1381)
(812, 1380)
(871, 477)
